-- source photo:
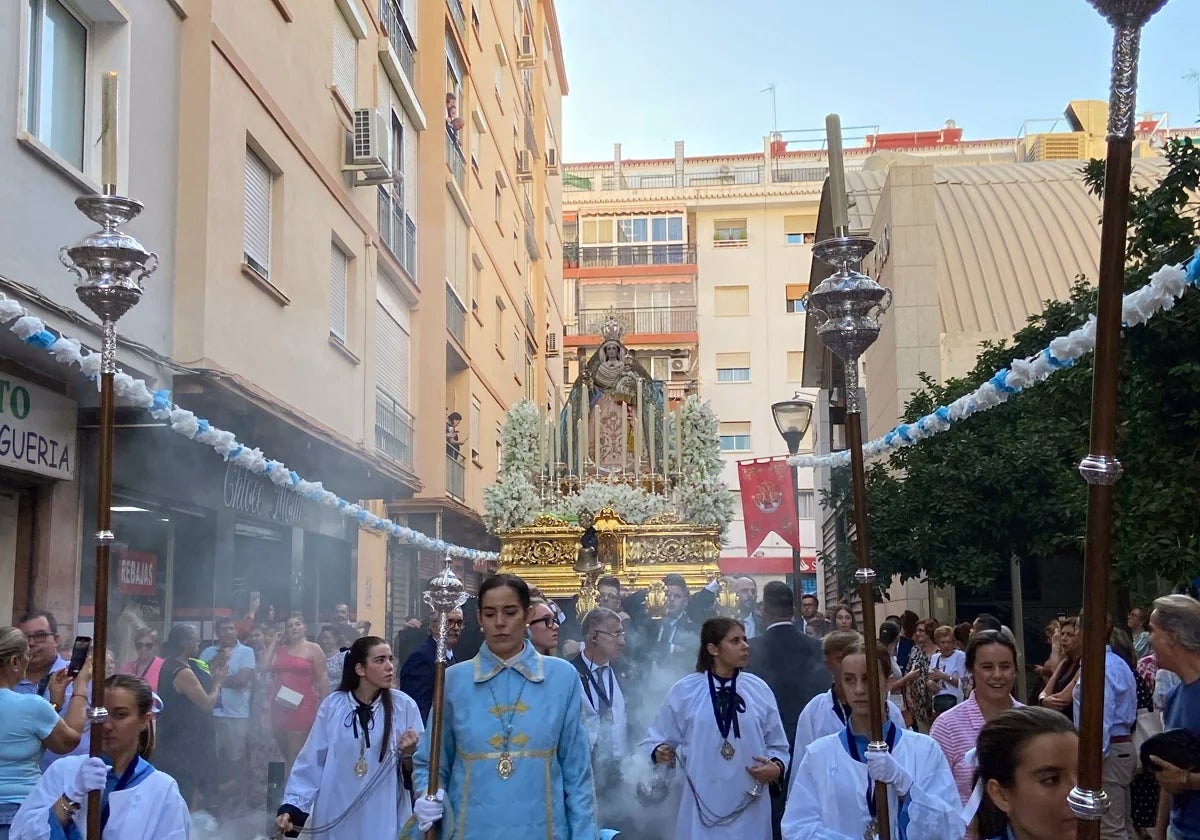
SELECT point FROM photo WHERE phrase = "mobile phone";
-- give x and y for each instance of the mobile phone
(79, 654)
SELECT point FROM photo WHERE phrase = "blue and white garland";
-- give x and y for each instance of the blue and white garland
(129, 391)
(1165, 287)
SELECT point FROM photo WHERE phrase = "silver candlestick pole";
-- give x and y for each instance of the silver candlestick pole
(109, 266)
(846, 307)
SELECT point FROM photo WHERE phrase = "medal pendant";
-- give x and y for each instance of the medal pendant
(360, 768)
(871, 832)
(727, 750)
(504, 767)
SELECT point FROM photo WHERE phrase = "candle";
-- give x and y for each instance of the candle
(582, 450)
(837, 175)
(570, 438)
(652, 427)
(637, 429)
(554, 447)
(583, 434)
(108, 133)
(596, 450)
(678, 441)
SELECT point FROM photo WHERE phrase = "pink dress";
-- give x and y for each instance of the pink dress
(296, 673)
(150, 675)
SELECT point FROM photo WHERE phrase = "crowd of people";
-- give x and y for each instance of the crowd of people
(691, 725)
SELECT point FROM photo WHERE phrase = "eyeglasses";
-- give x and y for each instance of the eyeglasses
(620, 634)
(38, 637)
(454, 625)
(550, 621)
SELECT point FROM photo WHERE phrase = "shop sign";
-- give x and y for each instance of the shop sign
(137, 572)
(37, 429)
(246, 492)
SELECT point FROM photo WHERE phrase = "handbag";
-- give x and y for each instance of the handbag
(1149, 723)
(289, 698)
(1180, 747)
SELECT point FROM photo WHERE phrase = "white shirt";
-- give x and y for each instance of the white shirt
(820, 718)
(955, 665)
(592, 722)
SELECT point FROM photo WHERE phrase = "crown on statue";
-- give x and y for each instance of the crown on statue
(613, 328)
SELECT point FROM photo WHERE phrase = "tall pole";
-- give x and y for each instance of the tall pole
(444, 595)
(1100, 468)
(109, 266)
(846, 307)
(797, 560)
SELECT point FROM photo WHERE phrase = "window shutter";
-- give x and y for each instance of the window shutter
(795, 365)
(731, 300)
(391, 356)
(796, 291)
(256, 234)
(733, 360)
(337, 292)
(734, 428)
(345, 58)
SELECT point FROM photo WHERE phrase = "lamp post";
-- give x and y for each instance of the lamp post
(1101, 469)
(792, 418)
(845, 308)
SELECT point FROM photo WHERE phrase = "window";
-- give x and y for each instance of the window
(516, 353)
(807, 505)
(660, 368)
(798, 230)
(392, 347)
(731, 300)
(58, 57)
(474, 429)
(498, 205)
(795, 296)
(733, 367)
(734, 437)
(476, 280)
(500, 326)
(256, 231)
(795, 365)
(730, 231)
(499, 444)
(345, 58)
(339, 270)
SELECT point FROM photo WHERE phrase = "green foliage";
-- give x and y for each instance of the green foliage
(954, 508)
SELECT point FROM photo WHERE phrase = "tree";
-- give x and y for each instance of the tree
(956, 507)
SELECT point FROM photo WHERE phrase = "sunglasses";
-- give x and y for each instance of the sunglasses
(550, 621)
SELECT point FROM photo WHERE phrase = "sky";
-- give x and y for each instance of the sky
(645, 73)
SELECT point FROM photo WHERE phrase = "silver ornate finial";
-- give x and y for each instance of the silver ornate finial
(445, 593)
(109, 265)
(1127, 17)
(1128, 12)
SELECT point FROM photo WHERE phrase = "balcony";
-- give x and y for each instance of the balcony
(456, 476)
(456, 318)
(655, 320)
(397, 229)
(392, 17)
(393, 430)
(612, 256)
(799, 174)
(456, 12)
(530, 323)
(454, 157)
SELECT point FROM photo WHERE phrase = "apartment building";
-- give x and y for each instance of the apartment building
(707, 259)
(54, 56)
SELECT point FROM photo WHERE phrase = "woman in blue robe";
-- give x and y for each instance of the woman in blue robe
(514, 756)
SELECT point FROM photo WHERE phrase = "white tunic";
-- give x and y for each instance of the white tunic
(819, 718)
(151, 810)
(323, 783)
(828, 796)
(686, 722)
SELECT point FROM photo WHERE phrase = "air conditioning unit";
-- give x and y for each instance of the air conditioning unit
(368, 148)
(524, 165)
(681, 364)
(552, 160)
(551, 345)
(527, 56)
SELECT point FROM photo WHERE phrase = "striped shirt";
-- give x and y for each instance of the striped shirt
(956, 731)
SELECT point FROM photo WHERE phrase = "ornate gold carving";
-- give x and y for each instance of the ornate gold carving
(545, 520)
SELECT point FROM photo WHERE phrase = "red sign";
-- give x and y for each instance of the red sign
(137, 572)
(767, 503)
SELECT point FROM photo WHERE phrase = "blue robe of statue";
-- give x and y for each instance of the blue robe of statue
(549, 791)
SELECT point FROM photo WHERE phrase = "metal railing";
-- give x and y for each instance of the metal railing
(397, 229)
(410, 247)
(456, 317)
(611, 256)
(529, 322)
(724, 177)
(454, 156)
(638, 182)
(456, 12)
(393, 429)
(456, 476)
(647, 319)
(798, 174)
(392, 16)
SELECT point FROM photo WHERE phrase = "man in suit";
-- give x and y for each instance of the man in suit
(416, 675)
(791, 663)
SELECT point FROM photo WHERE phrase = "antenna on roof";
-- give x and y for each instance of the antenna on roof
(774, 113)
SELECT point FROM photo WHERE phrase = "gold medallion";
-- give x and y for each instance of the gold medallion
(727, 750)
(504, 767)
(360, 767)
(871, 832)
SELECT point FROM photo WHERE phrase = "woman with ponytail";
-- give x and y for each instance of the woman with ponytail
(138, 802)
(346, 781)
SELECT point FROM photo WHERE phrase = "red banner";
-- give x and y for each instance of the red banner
(767, 506)
(137, 572)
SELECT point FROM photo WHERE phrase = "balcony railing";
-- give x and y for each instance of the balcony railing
(638, 182)
(456, 317)
(611, 256)
(401, 39)
(397, 229)
(393, 429)
(456, 12)
(456, 476)
(648, 319)
(454, 156)
(724, 177)
(799, 174)
(529, 322)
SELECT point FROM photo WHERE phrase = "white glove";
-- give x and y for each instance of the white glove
(429, 810)
(883, 767)
(92, 775)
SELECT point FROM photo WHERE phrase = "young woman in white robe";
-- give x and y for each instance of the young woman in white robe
(833, 779)
(346, 782)
(139, 802)
(722, 727)
(826, 713)
(1026, 762)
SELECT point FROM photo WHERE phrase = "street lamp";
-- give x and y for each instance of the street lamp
(792, 418)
